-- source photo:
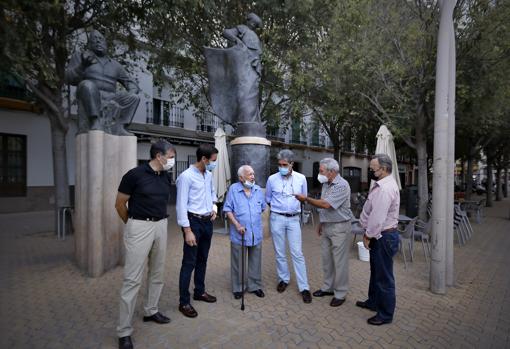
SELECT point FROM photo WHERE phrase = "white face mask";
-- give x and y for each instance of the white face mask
(321, 178)
(169, 164)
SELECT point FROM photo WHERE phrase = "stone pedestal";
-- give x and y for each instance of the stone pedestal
(253, 151)
(101, 161)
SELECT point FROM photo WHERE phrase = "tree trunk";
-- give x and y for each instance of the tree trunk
(337, 155)
(505, 181)
(421, 152)
(462, 176)
(488, 188)
(469, 177)
(60, 175)
(498, 184)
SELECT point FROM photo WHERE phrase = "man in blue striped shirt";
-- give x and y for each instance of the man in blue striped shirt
(285, 224)
(195, 214)
(244, 207)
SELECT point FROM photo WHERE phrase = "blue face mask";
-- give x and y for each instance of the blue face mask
(283, 170)
(248, 184)
(210, 166)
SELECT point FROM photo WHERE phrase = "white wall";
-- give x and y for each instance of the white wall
(39, 153)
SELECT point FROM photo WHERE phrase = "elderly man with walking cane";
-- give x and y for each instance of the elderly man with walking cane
(244, 206)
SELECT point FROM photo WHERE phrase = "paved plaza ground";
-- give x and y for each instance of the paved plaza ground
(46, 302)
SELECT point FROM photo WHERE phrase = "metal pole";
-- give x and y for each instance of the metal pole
(450, 271)
(440, 178)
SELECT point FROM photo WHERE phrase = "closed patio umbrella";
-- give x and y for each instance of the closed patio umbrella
(221, 175)
(386, 146)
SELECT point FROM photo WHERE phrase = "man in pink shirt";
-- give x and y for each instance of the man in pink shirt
(379, 219)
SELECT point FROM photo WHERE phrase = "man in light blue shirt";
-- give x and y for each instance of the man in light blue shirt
(244, 206)
(285, 225)
(195, 214)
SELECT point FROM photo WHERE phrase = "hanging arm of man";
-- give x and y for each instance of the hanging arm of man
(121, 206)
(240, 229)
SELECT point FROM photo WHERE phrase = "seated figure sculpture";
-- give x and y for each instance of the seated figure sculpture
(100, 105)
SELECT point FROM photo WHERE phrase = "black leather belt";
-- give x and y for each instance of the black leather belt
(199, 216)
(391, 230)
(287, 214)
(148, 219)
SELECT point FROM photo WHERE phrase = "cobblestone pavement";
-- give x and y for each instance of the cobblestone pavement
(46, 302)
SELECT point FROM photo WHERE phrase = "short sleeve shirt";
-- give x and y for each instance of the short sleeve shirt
(338, 195)
(148, 192)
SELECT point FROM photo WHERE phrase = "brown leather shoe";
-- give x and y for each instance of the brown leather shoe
(205, 298)
(187, 310)
(307, 297)
(335, 302)
(282, 286)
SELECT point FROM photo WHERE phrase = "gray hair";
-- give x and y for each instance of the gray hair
(286, 154)
(243, 169)
(330, 164)
(384, 161)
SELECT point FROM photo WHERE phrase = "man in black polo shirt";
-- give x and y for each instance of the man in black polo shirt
(145, 190)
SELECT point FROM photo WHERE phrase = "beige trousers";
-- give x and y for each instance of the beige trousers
(142, 239)
(335, 245)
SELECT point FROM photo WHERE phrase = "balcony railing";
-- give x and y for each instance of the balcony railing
(166, 116)
(207, 121)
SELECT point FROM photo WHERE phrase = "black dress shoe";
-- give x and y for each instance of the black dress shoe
(376, 321)
(282, 286)
(205, 298)
(125, 343)
(365, 305)
(187, 310)
(259, 293)
(157, 318)
(321, 293)
(238, 295)
(307, 297)
(335, 302)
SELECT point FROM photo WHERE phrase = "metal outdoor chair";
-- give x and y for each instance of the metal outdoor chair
(462, 225)
(307, 214)
(406, 240)
(356, 231)
(422, 232)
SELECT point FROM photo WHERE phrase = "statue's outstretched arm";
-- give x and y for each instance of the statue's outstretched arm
(232, 35)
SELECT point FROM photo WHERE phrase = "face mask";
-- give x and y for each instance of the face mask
(321, 178)
(210, 166)
(169, 164)
(249, 184)
(372, 175)
(283, 170)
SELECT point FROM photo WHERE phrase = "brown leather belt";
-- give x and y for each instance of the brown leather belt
(391, 230)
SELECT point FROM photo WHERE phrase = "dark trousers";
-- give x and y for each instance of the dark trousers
(195, 258)
(381, 290)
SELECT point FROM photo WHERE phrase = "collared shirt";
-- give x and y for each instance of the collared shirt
(195, 193)
(280, 190)
(338, 195)
(381, 209)
(247, 211)
(148, 192)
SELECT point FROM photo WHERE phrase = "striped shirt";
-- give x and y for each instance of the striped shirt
(338, 195)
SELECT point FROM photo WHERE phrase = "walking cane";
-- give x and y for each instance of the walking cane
(242, 273)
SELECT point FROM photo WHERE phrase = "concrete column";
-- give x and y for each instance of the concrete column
(440, 179)
(102, 160)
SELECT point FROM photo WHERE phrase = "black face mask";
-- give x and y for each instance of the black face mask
(371, 175)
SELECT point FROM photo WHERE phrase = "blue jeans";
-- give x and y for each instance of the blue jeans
(288, 228)
(381, 290)
(195, 258)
